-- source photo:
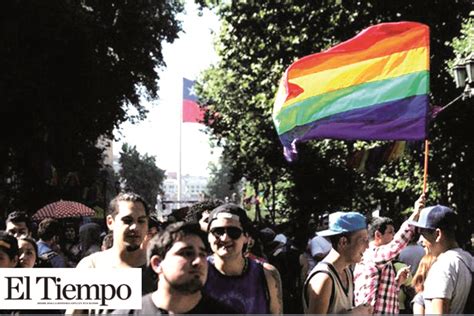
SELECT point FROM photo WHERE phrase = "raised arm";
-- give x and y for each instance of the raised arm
(401, 239)
(419, 205)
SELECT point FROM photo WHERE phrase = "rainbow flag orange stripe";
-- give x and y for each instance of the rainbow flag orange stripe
(373, 87)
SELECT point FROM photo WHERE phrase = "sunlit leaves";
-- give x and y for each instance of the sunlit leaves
(259, 40)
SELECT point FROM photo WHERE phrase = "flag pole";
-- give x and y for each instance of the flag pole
(425, 173)
(179, 146)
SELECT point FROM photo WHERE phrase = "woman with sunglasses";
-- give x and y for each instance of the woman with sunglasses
(250, 287)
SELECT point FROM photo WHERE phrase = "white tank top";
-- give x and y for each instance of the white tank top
(341, 299)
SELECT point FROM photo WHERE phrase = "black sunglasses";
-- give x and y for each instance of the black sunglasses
(232, 232)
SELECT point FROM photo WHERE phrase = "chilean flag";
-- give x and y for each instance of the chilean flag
(192, 113)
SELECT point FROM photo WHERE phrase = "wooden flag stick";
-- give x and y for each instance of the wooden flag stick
(425, 174)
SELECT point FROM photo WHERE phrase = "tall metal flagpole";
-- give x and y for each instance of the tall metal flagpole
(179, 144)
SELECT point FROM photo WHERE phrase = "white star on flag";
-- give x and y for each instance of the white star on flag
(191, 91)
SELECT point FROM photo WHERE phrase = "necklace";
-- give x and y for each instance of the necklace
(246, 264)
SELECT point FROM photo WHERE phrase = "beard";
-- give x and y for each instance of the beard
(131, 248)
(189, 287)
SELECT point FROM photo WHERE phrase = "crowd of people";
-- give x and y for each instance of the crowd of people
(217, 261)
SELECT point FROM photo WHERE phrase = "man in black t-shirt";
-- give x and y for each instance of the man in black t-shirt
(178, 257)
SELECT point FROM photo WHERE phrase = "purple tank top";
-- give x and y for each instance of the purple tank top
(246, 293)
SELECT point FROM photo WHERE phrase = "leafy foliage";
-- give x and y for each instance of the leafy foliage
(258, 40)
(140, 174)
(219, 185)
(463, 45)
(70, 71)
(456, 145)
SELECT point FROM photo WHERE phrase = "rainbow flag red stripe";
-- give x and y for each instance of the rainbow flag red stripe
(372, 87)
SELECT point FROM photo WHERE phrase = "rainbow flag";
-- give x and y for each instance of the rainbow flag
(372, 87)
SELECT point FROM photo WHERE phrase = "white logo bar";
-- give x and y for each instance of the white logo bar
(62, 288)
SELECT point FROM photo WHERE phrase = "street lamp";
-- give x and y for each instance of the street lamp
(464, 76)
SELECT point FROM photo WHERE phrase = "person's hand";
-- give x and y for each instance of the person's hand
(364, 309)
(419, 205)
(402, 275)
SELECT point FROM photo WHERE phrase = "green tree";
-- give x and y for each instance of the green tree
(220, 185)
(258, 40)
(453, 162)
(140, 174)
(463, 45)
(71, 71)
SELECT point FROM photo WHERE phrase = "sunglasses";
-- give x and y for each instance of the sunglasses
(232, 232)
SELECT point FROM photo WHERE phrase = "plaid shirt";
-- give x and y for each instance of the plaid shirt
(375, 274)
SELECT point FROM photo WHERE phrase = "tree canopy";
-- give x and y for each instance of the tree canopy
(140, 174)
(258, 40)
(71, 71)
(220, 185)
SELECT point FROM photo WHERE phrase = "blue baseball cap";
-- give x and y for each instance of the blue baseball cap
(438, 216)
(344, 222)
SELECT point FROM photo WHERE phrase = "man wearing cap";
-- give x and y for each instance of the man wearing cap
(376, 281)
(449, 279)
(319, 247)
(329, 287)
(248, 286)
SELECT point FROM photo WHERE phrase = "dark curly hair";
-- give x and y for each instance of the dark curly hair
(162, 243)
(379, 224)
(195, 211)
(125, 196)
(18, 217)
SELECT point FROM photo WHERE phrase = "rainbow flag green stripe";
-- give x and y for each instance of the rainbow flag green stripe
(354, 97)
